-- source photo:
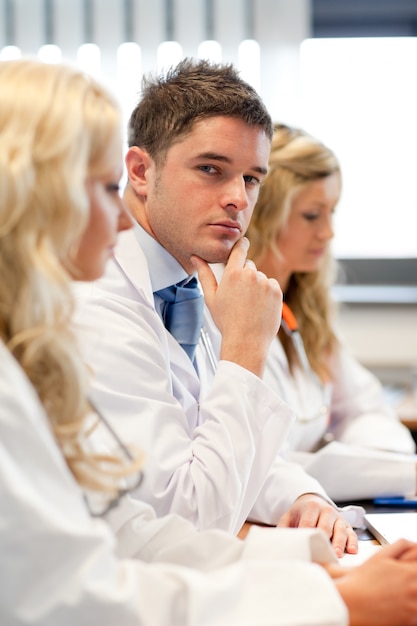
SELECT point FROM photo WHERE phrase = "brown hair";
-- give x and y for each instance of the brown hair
(193, 90)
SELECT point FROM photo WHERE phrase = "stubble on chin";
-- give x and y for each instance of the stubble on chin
(219, 254)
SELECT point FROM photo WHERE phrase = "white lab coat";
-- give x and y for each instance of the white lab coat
(363, 461)
(60, 567)
(211, 441)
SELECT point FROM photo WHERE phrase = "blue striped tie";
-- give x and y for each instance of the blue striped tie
(182, 313)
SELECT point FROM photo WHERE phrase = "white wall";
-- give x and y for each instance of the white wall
(381, 335)
(279, 26)
(377, 335)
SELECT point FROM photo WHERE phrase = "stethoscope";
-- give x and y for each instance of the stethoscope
(290, 327)
(100, 503)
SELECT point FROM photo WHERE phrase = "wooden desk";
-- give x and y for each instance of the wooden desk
(246, 527)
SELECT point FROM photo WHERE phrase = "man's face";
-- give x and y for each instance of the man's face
(201, 199)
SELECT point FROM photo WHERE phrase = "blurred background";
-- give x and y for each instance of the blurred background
(345, 70)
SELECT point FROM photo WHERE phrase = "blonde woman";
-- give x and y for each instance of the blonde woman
(333, 396)
(60, 212)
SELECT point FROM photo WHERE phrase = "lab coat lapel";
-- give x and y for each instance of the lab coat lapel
(130, 257)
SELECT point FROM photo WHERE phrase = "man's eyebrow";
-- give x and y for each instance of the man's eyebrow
(213, 156)
(260, 170)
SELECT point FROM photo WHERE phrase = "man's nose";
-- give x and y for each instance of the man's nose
(235, 194)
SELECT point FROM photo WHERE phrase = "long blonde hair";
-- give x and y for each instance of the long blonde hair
(56, 128)
(296, 159)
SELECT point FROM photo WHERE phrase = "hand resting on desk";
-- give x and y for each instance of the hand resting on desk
(388, 581)
(313, 511)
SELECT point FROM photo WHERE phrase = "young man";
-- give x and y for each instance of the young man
(199, 147)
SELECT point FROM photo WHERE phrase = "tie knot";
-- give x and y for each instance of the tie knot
(187, 289)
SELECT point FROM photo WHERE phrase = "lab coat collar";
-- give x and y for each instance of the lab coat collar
(130, 257)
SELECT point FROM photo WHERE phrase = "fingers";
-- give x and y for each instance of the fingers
(410, 554)
(285, 521)
(388, 585)
(237, 257)
(341, 534)
(245, 306)
(344, 538)
(312, 511)
(402, 549)
(250, 265)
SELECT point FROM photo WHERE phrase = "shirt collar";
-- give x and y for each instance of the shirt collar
(164, 269)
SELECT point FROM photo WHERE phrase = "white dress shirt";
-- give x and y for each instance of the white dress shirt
(60, 567)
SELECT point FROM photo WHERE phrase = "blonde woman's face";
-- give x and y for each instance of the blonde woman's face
(108, 217)
(309, 229)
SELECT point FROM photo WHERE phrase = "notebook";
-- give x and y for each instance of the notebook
(388, 527)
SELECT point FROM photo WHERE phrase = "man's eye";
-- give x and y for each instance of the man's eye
(251, 180)
(208, 169)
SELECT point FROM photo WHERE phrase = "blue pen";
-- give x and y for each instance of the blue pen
(400, 502)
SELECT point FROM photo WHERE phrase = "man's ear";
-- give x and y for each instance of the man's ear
(138, 165)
